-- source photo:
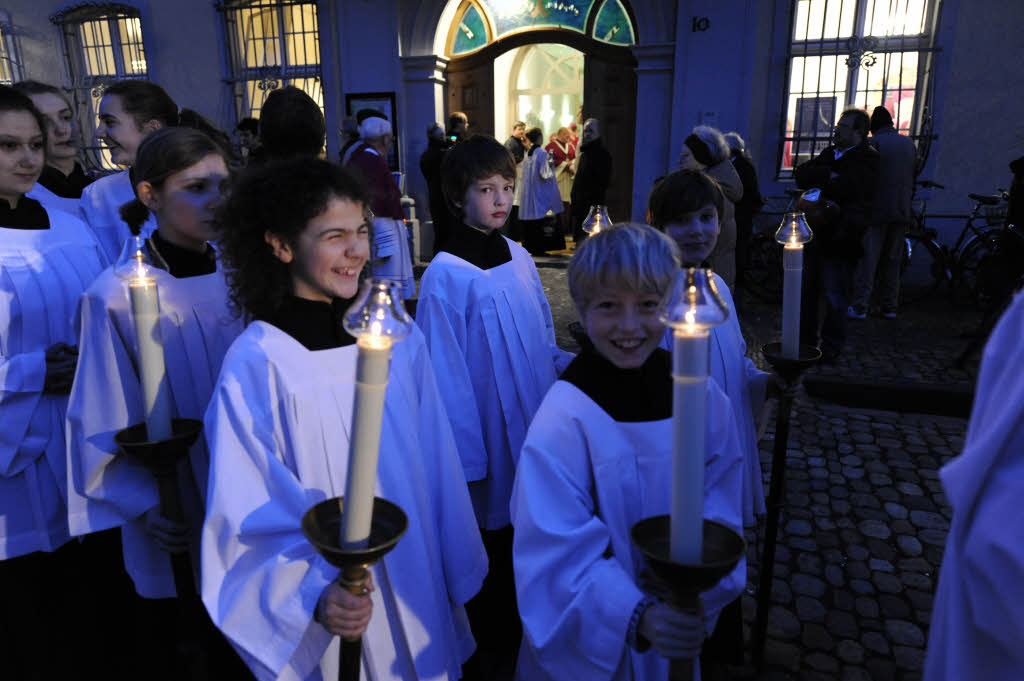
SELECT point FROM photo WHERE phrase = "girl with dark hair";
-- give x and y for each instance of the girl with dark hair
(63, 178)
(180, 175)
(47, 258)
(130, 110)
(296, 240)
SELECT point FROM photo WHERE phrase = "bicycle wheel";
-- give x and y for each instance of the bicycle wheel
(974, 277)
(763, 278)
(922, 270)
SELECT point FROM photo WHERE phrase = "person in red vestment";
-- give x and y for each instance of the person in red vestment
(563, 156)
(370, 162)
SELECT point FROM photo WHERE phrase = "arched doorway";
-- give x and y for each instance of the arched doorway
(484, 36)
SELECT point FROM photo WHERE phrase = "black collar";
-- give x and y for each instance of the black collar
(180, 262)
(65, 186)
(627, 395)
(29, 214)
(485, 250)
(315, 324)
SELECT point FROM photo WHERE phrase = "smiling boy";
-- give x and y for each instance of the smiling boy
(598, 459)
(491, 339)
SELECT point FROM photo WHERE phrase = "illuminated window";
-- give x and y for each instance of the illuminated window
(10, 65)
(271, 43)
(855, 53)
(102, 44)
(546, 86)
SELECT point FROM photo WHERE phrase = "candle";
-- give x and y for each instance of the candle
(596, 220)
(793, 233)
(156, 395)
(689, 402)
(692, 308)
(377, 319)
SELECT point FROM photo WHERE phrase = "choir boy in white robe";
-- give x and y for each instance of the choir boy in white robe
(295, 237)
(598, 459)
(488, 326)
(686, 205)
(977, 626)
(47, 259)
(181, 176)
(130, 110)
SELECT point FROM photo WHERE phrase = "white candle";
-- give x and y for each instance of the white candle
(367, 416)
(689, 401)
(792, 264)
(152, 369)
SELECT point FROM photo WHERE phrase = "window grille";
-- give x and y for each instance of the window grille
(271, 43)
(10, 63)
(856, 53)
(102, 44)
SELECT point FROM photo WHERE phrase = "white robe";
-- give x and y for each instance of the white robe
(52, 201)
(278, 428)
(100, 205)
(492, 343)
(583, 481)
(977, 626)
(392, 259)
(105, 488)
(42, 275)
(745, 385)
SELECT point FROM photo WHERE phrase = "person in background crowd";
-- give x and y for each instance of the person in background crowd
(358, 144)
(130, 110)
(705, 149)
(291, 125)
(538, 197)
(47, 259)
(890, 218)
(977, 624)
(749, 204)
(349, 134)
(846, 172)
(458, 127)
(249, 143)
(517, 145)
(430, 166)
(63, 178)
(574, 139)
(593, 176)
(563, 158)
(370, 162)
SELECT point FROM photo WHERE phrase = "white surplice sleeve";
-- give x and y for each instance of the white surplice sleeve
(560, 357)
(105, 398)
(575, 598)
(445, 330)
(22, 376)
(261, 578)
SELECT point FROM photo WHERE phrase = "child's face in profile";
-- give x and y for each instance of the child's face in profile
(695, 233)
(488, 202)
(623, 325)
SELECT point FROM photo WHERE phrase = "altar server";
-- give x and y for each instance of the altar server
(978, 625)
(296, 239)
(598, 459)
(130, 110)
(47, 259)
(491, 338)
(686, 206)
(181, 174)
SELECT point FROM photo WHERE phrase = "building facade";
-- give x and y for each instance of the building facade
(777, 71)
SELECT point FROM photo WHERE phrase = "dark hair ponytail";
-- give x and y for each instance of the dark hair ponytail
(134, 213)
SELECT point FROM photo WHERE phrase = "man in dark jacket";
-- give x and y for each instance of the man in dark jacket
(883, 242)
(593, 175)
(847, 173)
(430, 166)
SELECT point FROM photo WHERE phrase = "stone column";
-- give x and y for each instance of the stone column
(652, 155)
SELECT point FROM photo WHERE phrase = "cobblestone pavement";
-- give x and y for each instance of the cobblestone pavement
(865, 518)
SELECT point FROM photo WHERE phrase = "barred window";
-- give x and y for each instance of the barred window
(855, 53)
(102, 44)
(271, 43)
(10, 64)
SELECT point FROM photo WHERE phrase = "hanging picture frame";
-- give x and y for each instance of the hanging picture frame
(383, 102)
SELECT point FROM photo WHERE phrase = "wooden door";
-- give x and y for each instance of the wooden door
(471, 91)
(609, 95)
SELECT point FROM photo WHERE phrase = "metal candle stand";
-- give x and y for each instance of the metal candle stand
(161, 457)
(322, 526)
(723, 548)
(789, 370)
